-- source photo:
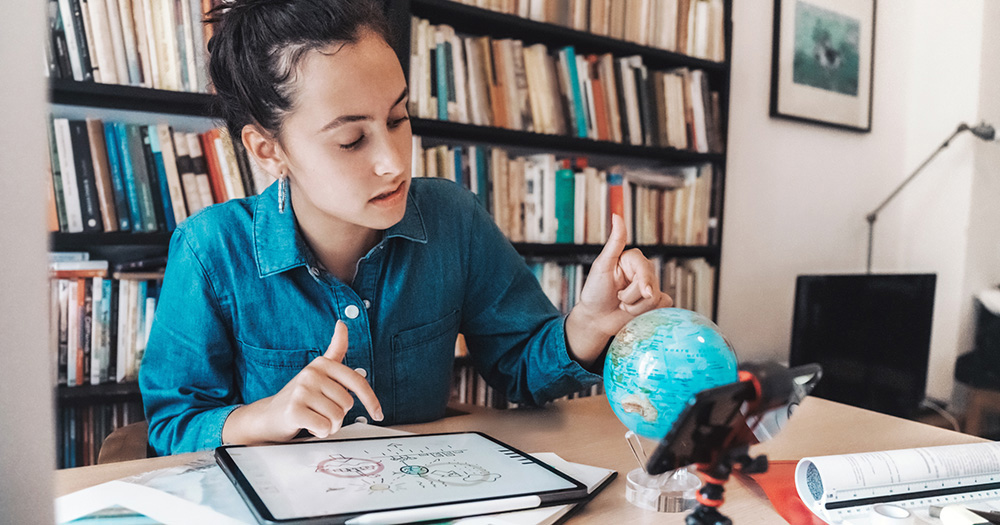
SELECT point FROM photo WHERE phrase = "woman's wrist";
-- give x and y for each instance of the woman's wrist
(585, 341)
(243, 426)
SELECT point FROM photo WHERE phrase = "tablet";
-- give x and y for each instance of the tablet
(394, 479)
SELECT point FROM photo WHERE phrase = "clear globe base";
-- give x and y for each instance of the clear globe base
(668, 492)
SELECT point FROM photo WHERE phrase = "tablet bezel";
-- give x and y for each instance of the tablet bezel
(263, 514)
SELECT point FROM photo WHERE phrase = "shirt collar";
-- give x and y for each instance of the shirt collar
(278, 245)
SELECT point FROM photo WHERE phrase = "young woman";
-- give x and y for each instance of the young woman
(346, 244)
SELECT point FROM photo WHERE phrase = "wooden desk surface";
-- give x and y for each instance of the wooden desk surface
(586, 431)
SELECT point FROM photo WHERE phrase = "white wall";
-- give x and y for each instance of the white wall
(797, 194)
(27, 443)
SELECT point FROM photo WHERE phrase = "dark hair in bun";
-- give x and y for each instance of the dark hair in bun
(258, 45)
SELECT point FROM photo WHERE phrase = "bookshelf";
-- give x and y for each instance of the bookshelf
(120, 246)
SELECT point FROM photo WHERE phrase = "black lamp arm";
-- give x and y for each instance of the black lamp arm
(873, 215)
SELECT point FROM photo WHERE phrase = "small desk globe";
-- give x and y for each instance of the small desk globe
(658, 361)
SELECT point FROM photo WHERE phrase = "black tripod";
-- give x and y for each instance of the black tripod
(715, 476)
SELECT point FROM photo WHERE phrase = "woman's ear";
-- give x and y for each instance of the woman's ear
(265, 150)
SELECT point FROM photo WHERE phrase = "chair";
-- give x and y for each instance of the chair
(126, 443)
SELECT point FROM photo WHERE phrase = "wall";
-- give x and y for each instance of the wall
(797, 194)
(27, 443)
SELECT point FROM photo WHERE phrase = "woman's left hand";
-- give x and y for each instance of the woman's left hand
(621, 285)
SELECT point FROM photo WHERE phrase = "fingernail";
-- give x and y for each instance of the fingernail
(621, 306)
(649, 291)
(377, 416)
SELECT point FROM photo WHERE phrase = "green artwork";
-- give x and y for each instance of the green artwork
(826, 49)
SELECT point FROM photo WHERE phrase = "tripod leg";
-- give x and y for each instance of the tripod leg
(703, 515)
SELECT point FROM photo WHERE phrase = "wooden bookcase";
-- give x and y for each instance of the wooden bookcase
(466, 19)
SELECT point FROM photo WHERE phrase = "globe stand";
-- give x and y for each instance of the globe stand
(674, 491)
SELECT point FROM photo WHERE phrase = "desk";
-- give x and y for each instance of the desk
(586, 431)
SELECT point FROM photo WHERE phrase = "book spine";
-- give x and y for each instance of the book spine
(140, 176)
(85, 304)
(135, 206)
(122, 208)
(168, 156)
(577, 96)
(565, 207)
(160, 206)
(90, 206)
(102, 174)
(57, 184)
(96, 330)
(200, 168)
(112, 323)
(441, 64)
(71, 194)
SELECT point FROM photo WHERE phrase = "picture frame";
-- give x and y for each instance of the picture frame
(823, 62)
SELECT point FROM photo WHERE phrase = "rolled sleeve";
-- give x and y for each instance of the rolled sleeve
(516, 337)
(187, 372)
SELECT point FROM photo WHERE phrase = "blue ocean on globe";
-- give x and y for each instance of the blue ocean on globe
(658, 361)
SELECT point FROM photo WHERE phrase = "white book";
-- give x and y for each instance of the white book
(533, 229)
(72, 45)
(428, 105)
(96, 330)
(587, 91)
(631, 96)
(204, 185)
(416, 71)
(67, 167)
(461, 87)
(667, 24)
(199, 50)
(143, 23)
(130, 42)
(702, 14)
(117, 40)
(580, 208)
(88, 29)
(125, 299)
(698, 107)
(72, 331)
(187, 32)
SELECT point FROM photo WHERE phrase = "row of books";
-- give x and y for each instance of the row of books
(100, 321)
(112, 176)
(505, 83)
(468, 387)
(542, 199)
(689, 282)
(150, 43)
(692, 27)
(83, 429)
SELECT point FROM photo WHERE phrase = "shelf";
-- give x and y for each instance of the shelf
(87, 394)
(440, 129)
(586, 250)
(470, 19)
(85, 241)
(134, 98)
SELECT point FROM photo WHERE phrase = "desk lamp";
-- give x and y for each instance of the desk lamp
(983, 131)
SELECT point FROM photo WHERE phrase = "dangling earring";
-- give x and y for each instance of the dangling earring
(282, 192)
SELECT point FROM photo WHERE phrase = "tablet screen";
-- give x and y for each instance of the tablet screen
(302, 480)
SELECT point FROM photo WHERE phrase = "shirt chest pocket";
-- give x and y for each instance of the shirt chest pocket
(423, 358)
(264, 371)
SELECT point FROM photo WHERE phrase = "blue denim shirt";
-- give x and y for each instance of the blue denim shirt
(244, 307)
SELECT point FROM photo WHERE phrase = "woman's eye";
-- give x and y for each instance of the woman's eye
(354, 144)
(397, 122)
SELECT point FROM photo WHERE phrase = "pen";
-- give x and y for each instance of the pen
(393, 517)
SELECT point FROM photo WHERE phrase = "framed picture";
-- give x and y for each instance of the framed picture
(821, 70)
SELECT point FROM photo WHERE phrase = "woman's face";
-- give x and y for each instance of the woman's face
(347, 141)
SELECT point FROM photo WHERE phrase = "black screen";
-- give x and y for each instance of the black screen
(870, 333)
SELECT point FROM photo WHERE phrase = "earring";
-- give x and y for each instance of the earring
(282, 192)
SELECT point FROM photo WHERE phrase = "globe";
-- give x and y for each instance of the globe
(658, 362)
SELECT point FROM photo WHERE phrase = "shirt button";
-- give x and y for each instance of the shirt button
(361, 419)
(314, 271)
(361, 372)
(352, 311)
(368, 304)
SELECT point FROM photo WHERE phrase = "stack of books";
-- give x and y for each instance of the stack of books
(149, 43)
(112, 176)
(504, 83)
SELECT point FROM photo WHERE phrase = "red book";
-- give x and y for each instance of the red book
(219, 193)
(616, 198)
(600, 103)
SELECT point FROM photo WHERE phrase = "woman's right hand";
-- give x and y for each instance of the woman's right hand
(316, 399)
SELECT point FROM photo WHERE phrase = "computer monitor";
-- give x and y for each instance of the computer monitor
(870, 333)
